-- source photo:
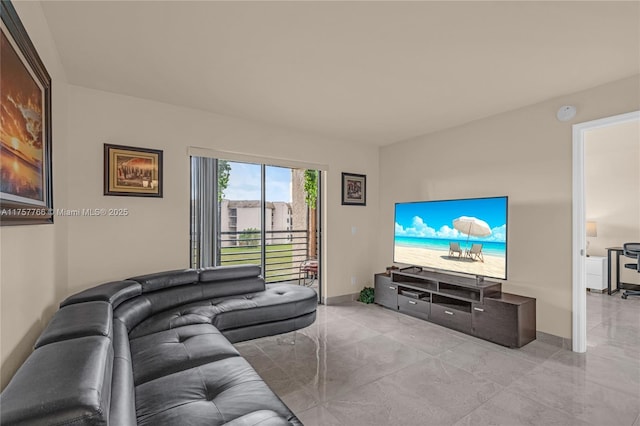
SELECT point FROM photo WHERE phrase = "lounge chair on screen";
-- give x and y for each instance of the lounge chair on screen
(475, 252)
(455, 248)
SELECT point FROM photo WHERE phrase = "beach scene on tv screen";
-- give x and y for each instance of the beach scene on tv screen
(467, 236)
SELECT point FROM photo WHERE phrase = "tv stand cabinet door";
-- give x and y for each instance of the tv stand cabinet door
(386, 292)
(508, 321)
(496, 322)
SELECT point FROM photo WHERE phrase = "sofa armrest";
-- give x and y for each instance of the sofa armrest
(66, 382)
(78, 320)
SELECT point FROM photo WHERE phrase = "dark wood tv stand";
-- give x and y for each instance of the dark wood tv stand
(474, 307)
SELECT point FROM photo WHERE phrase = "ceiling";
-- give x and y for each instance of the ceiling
(373, 72)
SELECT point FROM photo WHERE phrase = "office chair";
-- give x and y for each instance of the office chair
(632, 250)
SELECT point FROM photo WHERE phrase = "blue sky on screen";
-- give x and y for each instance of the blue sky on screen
(434, 219)
(244, 183)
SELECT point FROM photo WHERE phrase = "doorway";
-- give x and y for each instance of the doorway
(256, 213)
(579, 311)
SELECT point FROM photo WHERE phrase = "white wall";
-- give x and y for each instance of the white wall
(33, 258)
(525, 154)
(155, 235)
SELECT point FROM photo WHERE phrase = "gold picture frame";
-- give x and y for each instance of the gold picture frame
(26, 188)
(132, 171)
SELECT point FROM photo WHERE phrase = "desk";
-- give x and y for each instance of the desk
(618, 251)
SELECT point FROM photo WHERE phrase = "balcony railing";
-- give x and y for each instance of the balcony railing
(284, 252)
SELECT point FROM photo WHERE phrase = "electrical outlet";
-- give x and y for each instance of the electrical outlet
(353, 280)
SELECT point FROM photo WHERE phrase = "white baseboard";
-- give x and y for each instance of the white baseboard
(341, 299)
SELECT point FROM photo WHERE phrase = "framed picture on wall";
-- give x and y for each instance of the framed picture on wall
(26, 189)
(354, 189)
(132, 171)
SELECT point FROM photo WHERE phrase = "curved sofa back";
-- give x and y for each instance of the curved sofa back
(138, 298)
(161, 292)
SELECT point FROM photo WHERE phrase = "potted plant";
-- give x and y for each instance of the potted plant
(366, 295)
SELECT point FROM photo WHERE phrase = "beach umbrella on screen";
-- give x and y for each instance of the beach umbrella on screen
(469, 226)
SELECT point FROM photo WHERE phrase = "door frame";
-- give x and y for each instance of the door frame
(323, 170)
(579, 295)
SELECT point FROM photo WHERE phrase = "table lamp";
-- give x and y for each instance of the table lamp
(592, 231)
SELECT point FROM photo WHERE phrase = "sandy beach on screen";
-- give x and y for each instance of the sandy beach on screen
(493, 266)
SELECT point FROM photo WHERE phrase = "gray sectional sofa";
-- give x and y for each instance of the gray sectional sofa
(156, 350)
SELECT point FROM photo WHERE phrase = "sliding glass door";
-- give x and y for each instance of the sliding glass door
(260, 214)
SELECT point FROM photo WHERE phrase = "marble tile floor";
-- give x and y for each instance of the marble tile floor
(365, 365)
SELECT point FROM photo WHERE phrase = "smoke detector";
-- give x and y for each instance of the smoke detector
(566, 112)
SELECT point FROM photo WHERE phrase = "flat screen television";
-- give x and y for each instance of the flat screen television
(468, 236)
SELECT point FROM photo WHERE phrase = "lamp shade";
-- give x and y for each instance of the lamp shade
(592, 229)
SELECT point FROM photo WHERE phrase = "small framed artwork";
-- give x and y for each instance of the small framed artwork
(132, 171)
(26, 189)
(354, 189)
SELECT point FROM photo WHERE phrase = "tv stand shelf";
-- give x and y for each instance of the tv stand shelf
(458, 287)
(472, 306)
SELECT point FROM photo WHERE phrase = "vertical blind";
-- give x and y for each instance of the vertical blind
(204, 190)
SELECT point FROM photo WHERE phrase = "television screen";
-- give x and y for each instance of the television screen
(467, 236)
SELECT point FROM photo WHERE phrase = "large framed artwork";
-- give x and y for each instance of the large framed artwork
(354, 189)
(26, 189)
(132, 171)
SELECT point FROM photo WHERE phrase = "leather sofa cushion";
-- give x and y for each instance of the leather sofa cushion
(232, 287)
(228, 273)
(114, 292)
(67, 382)
(211, 395)
(260, 418)
(170, 351)
(78, 320)
(277, 302)
(160, 280)
(269, 329)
